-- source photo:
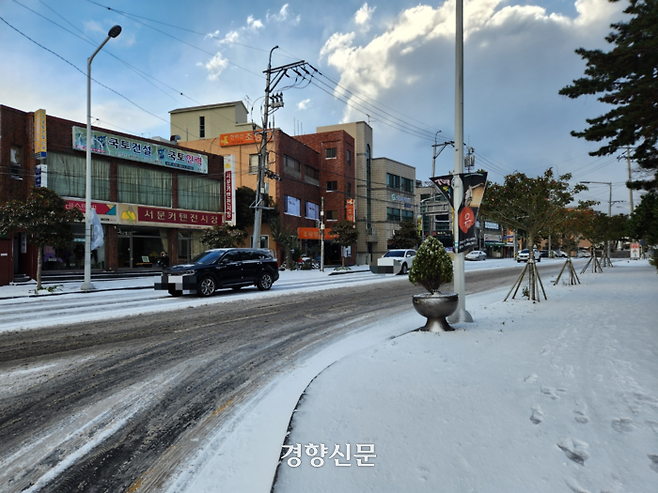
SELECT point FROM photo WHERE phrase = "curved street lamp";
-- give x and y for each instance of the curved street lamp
(87, 285)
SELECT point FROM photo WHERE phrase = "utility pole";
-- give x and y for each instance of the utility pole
(322, 234)
(262, 159)
(277, 103)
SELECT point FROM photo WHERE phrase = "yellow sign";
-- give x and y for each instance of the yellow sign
(40, 141)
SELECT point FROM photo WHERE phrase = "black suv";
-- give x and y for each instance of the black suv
(221, 268)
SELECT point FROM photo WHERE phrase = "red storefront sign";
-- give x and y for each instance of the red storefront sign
(177, 216)
(314, 234)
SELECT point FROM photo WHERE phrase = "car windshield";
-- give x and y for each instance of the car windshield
(208, 257)
(395, 253)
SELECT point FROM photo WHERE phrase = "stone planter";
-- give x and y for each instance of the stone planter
(436, 307)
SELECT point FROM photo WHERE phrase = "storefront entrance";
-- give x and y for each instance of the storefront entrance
(141, 247)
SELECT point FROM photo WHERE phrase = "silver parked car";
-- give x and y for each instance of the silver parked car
(476, 255)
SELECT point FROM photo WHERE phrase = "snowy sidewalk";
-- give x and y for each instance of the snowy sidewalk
(555, 396)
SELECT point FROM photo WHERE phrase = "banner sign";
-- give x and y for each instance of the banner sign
(351, 214)
(139, 215)
(314, 234)
(229, 189)
(106, 211)
(444, 184)
(242, 138)
(174, 217)
(141, 151)
(41, 175)
(40, 141)
(473, 185)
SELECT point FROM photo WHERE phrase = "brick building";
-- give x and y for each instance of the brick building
(310, 167)
(150, 195)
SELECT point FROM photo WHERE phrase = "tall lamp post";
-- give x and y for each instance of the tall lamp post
(87, 285)
(460, 315)
(607, 242)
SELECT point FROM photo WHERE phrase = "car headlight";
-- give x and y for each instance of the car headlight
(188, 273)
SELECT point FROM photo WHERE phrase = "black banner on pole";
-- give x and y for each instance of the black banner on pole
(473, 186)
(444, 183)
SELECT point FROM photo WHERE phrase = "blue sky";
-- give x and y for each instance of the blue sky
(396, 59)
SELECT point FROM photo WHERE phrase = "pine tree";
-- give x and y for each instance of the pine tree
(627, 78)
(406, 236)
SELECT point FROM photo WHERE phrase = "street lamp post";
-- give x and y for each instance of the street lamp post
(607, 241)
(87, 285)
(460, 315)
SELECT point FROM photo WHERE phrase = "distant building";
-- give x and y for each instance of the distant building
(150, 195)
(384, 193)
(304, 169)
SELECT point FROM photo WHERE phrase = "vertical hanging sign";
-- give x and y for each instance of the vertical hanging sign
(229, 189)
(40, 141)
(473, 185)
(351, 215)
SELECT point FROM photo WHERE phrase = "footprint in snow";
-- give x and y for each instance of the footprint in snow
(622, 424)
(532, 378)
(654, 462)
(537, 415)
(551, 392)
(575, 450)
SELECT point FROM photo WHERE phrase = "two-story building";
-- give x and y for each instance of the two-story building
(151, 195)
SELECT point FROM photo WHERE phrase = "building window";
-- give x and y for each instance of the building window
(332, 215)
(292, 206)
(392, 181)
(16, 162)
(332, 186)
(311, 175)
(348, 157)
(202, 127)
(312, 211)
(253, 164)
(393, 214)
(407, 185)
(198, 194)
(330, 153)
(67, 176)
(292, 167)
(406, 215)
(143, 186)
(349, 190)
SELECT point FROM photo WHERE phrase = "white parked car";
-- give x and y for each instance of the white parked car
(476, 255)
(560, 253)
(396, 261)
(524, 255)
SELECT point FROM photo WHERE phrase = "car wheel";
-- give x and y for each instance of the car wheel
(265, 281)
(404, 269)
(207, 286)
(175, 292)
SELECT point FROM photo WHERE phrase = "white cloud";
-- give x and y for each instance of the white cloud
(304, 105)
(363, 15)
(216, 66)
(254, 23)
(283, 15)
(398, 56)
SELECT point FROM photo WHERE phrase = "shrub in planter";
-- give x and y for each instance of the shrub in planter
(431, 268)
